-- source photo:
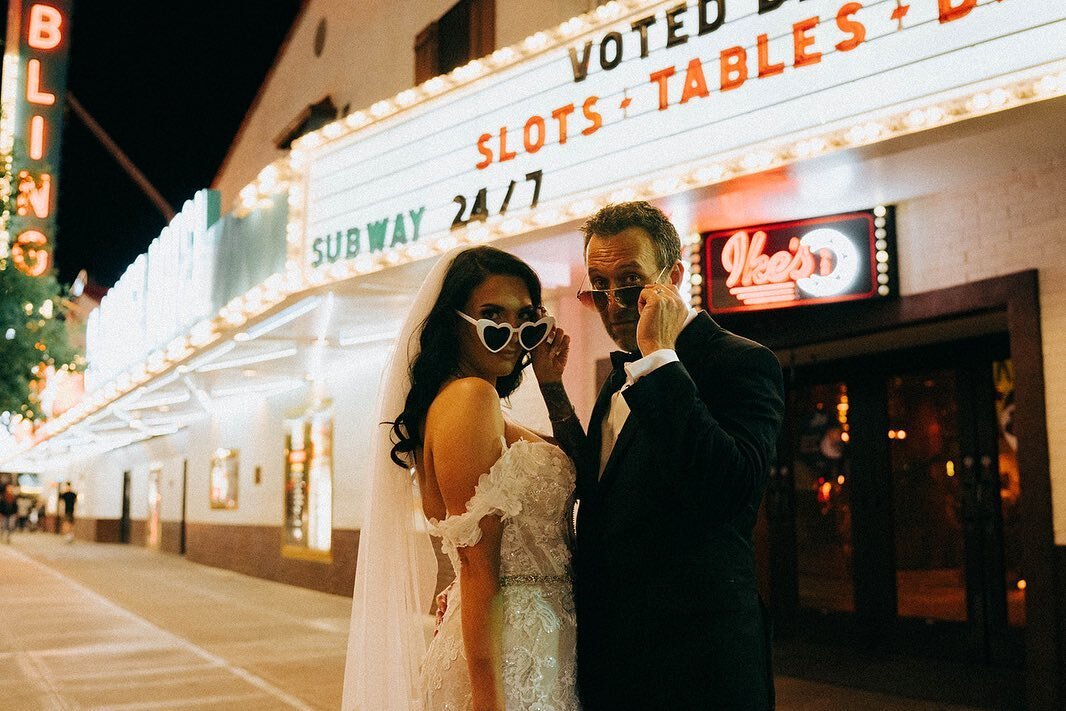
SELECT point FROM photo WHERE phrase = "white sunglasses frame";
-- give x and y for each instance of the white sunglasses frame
(481, 324)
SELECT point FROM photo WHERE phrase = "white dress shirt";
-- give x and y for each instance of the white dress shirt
(619, 411)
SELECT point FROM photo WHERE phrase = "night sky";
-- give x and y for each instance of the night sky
(170, 82)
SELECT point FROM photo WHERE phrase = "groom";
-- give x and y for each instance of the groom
(673, 469)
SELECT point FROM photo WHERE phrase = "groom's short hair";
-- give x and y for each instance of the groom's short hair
(612, 219)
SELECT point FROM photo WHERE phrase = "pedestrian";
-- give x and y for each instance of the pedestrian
(68, 497)
(7, 511)
(37, 515)
(23, 506)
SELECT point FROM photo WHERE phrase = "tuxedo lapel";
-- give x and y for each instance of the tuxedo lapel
(621, 444)
(693, 339)
(595, 432)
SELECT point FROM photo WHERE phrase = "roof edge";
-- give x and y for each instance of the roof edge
(282, 49)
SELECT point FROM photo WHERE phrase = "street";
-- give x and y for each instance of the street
(99, 626)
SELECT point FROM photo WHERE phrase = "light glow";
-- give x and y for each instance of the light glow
(274, 322)
(272, 387)
(249, 360)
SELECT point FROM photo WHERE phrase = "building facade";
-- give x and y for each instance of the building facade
(872, 190)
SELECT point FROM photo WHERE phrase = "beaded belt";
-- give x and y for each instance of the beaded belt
(508, 580)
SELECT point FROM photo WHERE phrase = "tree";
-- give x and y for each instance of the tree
(33, 336)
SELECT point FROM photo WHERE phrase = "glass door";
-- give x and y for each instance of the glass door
(821, 474)
(893, 508)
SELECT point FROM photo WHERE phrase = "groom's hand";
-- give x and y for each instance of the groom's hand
(662, 316)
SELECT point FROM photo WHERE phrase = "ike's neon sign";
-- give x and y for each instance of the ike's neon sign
(42, 39)
(821, 260)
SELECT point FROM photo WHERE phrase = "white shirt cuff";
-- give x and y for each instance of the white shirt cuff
(655, 360)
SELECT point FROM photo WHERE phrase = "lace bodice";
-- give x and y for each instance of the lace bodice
(529, 487)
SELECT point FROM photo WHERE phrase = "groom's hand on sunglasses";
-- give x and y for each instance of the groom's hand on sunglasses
(549, 358)
(662, 316)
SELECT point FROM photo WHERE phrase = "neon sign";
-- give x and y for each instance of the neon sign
(33, 103)
(820, 260)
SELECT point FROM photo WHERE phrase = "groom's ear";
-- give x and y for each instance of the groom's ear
(677, 273)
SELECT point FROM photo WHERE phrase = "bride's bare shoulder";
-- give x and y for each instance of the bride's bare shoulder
(463, 429)
(470, 406)
(464, 396)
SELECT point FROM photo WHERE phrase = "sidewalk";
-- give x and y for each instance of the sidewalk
(95, 626)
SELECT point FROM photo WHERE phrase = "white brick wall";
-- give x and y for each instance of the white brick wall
(1013, 223)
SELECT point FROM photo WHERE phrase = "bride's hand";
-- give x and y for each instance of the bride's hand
(549, 358)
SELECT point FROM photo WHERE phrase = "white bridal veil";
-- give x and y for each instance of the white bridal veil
(396, 569)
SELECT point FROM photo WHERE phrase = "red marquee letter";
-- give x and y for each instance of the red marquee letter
(950, 12)
(734, 68)
(34, 95)
(44, 32)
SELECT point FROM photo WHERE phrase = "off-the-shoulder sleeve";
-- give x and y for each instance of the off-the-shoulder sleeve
(495, 494)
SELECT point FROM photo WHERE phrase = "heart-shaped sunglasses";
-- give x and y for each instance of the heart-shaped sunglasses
(496, 336)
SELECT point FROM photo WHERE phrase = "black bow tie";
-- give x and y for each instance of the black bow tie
(620, 358)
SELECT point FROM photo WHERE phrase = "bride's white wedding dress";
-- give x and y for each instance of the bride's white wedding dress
(528, 487)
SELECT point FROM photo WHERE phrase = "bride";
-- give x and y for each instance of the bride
(452, 465)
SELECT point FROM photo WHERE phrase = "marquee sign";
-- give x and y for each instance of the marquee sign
(160, 296)
(815, 261)
(34, 91)
(641, 94)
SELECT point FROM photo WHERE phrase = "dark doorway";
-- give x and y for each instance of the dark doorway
(901, 527)
(855, 344)
(184, 503)
(124, 522)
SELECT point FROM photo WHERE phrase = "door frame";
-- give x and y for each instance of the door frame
(1018, 297)
(124, 522)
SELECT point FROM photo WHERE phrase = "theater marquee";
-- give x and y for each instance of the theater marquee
(635, 102)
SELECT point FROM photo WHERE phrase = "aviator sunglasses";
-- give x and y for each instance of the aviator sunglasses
(496, 336)
(625, 296)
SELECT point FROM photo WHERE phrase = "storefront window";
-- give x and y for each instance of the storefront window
(309, 483)
(822, 470)
(224, 479)
(155, 501)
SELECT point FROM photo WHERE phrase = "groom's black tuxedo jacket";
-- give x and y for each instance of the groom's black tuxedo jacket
(668, 612)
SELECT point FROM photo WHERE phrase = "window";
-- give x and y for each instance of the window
(309, 485)
(224, 479)
(312, 118)
(465, 32)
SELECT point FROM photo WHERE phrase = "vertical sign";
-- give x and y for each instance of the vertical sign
(33, 96)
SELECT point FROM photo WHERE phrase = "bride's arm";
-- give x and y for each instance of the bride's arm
(466, 427)
(567, 430)
(549, 362)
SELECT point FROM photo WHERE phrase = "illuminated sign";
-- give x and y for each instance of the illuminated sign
(815, 261)
(33, 93)
(309, 483)
(160, 296)
(636, 94)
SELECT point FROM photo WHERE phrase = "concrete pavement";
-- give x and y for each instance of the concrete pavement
(97, 626)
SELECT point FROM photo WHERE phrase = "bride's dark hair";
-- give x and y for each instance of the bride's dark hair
(438, 357)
